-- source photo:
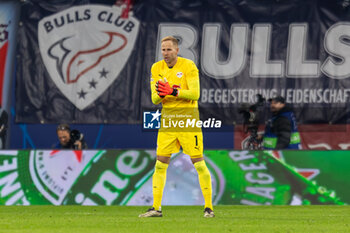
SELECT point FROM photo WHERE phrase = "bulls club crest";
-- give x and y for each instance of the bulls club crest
(84, 49)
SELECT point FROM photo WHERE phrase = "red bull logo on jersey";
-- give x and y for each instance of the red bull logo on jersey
(84, 49)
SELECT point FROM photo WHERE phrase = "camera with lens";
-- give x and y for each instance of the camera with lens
(251, 122)
(75, 136)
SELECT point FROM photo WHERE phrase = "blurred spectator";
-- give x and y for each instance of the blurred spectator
(3, 127)
(69, 139)
(281, 131)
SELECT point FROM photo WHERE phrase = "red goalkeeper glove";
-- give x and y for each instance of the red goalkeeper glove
(164, 89)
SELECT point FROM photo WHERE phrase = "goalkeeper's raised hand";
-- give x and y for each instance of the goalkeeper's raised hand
(164, 89)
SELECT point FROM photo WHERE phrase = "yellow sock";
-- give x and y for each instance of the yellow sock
(158, 183)
(205, 183)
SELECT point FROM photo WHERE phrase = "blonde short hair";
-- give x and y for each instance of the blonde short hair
(172, 39)
(63, 127)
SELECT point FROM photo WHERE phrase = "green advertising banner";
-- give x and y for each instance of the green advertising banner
(123, 177)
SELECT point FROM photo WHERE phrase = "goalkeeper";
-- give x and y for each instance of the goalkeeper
(175, 84)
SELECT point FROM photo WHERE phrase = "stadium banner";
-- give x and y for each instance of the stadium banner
(313, 136)
(8, 26)
(88, 62)
(124, 177)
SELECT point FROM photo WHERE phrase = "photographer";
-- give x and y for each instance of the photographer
(69, 139)
(3, 127)
(281, 131)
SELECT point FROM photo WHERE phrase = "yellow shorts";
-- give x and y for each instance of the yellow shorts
(170, 142)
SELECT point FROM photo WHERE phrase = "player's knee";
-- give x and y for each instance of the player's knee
(160, 166)
(201, 167)
(196, 159)
(164, 158)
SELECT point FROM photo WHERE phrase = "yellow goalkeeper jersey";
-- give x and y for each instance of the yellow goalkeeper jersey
(184, 76)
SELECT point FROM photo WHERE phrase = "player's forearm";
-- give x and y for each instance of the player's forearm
(155, 98)
(193, 90)
(189, 94)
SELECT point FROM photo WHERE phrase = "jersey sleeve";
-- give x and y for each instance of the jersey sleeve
(192, 79)
(155, 97)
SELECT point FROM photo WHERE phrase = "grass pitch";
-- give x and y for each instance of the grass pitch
(87, 219)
